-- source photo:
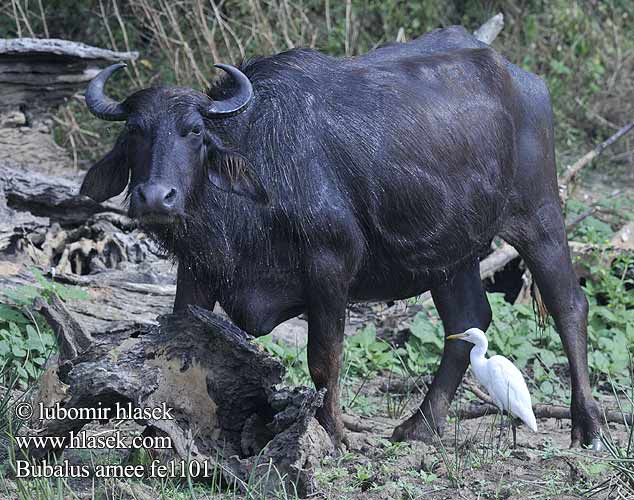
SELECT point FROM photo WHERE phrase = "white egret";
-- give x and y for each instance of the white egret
(501, 378)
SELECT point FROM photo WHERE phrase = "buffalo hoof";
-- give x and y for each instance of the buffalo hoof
(333, 424)
(586, 427)
(414, 429)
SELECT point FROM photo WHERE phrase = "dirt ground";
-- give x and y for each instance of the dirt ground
(471, 461)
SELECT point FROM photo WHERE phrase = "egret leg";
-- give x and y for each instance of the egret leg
(514, 429)
(501, 430)
(462, 304)
(540, 238)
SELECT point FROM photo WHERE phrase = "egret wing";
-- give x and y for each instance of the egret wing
(507, 387)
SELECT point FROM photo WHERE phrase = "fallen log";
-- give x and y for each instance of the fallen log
(225, 410)
(36, 72)
(487, 407)
(36, 76)
(477, 410)
(54, 197)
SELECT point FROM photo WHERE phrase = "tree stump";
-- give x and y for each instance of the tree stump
(220, 387)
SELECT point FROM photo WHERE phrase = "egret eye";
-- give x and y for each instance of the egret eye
(196, 130)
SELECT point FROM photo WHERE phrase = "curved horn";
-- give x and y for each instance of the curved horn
(99, 104)
(235, 104)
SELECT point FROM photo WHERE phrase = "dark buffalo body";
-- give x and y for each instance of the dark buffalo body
(375, 177)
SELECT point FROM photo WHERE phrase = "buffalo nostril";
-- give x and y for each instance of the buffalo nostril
(157, 198)
(171, 195)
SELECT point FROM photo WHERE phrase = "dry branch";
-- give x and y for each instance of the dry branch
(497, 260)
(569, 174)
(487, 407)
(574, 169)
(59, 47)
(477, 410)
(490, 29)
(71, 337)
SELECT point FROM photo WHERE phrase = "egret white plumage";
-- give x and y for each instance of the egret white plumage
(501, 378)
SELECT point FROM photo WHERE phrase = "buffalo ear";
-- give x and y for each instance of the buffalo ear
(109, 176)
(233, 173)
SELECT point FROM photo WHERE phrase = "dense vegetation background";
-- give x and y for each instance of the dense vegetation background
(584, 49)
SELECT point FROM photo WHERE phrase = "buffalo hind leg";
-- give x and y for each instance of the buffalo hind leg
(462, 304)
(543, 245)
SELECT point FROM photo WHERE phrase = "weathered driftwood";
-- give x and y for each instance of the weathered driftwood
(221, 387)
(65, 48)
(44, 222)
(71, 337)
(29, 143)
(41, 73)
(54, 197)
(36, 76)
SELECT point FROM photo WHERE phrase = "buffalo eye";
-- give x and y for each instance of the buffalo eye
(133, 128)
(196, 130)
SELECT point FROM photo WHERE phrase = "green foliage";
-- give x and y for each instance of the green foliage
(25, 349)
(611, 318)
(45, 289)
(26, 340)
(424, 348)
(590, 229)
(365, 355)
(293, 359)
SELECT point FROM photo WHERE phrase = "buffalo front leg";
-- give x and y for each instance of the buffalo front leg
(326, 319)
(462, 304)
(189, 290)
(325, 348)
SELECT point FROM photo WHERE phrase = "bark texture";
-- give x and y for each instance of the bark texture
(221, 388)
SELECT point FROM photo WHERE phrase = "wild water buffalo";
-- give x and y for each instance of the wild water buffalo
(301, 182)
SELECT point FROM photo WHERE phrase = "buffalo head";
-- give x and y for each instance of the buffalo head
(170, 147)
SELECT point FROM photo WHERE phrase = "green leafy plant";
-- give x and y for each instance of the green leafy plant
(26, 340)
(293, 358)
(365, 354)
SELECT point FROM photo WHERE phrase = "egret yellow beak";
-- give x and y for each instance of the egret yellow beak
(456, 336)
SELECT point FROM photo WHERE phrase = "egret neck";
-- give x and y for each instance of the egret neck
(478, 361)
